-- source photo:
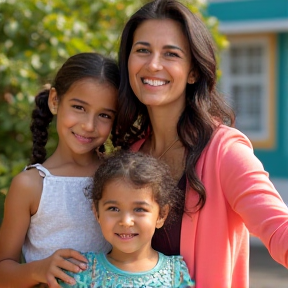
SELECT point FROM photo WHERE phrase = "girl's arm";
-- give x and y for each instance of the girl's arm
(21, 203)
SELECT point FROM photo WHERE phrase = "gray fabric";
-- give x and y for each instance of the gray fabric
(64, 218)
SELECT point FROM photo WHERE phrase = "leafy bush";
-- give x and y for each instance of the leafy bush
(36, 37)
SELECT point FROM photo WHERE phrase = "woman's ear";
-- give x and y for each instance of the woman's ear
(191, 77)
(162, 216)
(53, 101)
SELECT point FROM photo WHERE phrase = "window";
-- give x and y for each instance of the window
(248, 81)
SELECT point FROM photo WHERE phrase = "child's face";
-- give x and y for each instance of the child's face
(128, 217)
(85, 115)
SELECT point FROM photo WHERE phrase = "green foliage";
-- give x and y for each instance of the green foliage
(36, 37)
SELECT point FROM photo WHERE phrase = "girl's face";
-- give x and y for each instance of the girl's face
(159, 64)
(128, 218)
(85, 115)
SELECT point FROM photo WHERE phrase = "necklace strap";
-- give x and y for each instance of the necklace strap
(168, 148)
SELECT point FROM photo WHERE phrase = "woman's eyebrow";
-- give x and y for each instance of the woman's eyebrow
(142, 43)
(165, 47)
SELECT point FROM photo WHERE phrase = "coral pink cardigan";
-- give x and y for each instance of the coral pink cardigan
(215, 241)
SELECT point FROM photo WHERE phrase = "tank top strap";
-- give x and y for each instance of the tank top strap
(42, 170)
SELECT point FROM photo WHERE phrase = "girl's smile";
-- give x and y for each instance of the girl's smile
(86, 113)
(126, 236)
(128, 215)
(83, 139)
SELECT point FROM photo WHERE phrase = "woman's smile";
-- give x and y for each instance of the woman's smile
(159, 63)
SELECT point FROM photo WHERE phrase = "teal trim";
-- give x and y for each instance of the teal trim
(249, 10)
(276, 161)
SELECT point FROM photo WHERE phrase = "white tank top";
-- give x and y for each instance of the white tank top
(64, 218)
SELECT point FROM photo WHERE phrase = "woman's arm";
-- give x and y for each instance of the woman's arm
(251, 194)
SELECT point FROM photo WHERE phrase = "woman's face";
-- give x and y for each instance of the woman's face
(159, 63)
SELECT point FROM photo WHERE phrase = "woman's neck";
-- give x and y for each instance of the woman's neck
(164, 127)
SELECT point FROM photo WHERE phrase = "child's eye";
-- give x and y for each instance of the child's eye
(105, 116)
(78, 107)
(113, 209)
(140, 209)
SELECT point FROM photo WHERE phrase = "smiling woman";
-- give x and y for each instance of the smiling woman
(164, 67)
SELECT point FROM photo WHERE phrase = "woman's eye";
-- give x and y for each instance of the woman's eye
(142, 50)
(172, 54)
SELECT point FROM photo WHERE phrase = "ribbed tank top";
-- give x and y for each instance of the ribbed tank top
(64, 218)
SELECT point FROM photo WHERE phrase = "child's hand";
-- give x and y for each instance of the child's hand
(80, 264)
(50, 269)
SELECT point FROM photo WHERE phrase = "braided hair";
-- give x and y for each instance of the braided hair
(78, 67)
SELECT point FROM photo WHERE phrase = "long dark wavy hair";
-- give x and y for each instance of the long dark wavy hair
(205, 108)
(80, 66)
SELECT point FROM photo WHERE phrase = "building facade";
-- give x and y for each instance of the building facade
(255, 77)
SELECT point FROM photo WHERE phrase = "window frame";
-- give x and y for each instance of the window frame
(266, 137)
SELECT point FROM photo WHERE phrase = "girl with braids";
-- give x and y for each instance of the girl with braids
(46, 208)
(169, 108)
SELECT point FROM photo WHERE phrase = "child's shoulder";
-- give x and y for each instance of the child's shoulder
(25, 190)
(180, 270)
(27, 179)
(172, 258)
(27, 183)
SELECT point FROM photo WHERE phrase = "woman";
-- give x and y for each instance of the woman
(168, 100)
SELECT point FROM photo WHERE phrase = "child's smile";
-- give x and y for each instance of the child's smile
(128, 215)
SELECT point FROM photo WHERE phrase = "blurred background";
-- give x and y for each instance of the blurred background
(37, 36)
(254, 73)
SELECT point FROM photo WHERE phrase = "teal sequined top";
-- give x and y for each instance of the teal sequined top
(170, 271)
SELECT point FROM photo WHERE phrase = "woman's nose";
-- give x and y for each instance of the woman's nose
(155, 63)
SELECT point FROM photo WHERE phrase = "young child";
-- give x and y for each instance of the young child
(132, 195)
(46, 207)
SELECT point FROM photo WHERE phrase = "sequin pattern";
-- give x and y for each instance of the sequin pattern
(170, 271)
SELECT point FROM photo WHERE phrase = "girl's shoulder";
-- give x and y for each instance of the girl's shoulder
(180, 271)
(27, 185)
(38, 169)
(27, 179)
